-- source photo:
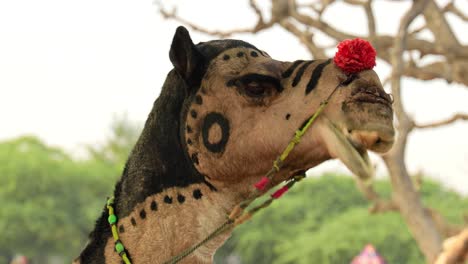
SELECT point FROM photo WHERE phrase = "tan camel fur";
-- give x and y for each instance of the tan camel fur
(455, 249)
(225, 113)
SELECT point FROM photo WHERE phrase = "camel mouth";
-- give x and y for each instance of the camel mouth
(372, 95)
(351, 146)
(379, 141)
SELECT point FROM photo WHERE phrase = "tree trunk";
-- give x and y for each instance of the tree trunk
(420, 224)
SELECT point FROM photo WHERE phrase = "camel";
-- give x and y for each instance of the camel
(455, 249)
(225, 112)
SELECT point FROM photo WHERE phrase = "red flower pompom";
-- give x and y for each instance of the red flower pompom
(355, 55)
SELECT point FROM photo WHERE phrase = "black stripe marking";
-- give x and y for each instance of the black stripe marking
(316, 74)
(210, 185)
(300, 72)
(290, 70)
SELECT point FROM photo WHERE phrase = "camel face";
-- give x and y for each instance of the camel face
(248, 107)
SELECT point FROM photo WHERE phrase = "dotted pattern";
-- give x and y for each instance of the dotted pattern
(196, 194)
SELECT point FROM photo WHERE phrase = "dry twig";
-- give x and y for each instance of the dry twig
(448, 121)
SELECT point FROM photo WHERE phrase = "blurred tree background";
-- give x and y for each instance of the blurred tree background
(51, 200)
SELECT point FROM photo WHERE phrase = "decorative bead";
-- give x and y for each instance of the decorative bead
(119, 247)
(112, 219)
(260, 185)
(280, 192)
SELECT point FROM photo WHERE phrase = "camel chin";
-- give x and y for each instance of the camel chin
(351, 146)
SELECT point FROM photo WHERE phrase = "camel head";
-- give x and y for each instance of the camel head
(243, 108)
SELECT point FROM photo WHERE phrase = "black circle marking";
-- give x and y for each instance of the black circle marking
(226, 57)
(197, 194)
(210, 120)
(288, 115)
(132, 220)
(189, 141)
(240, 54)
(189, 129)
(253, 54)
(121, 229)
(180, 198)
(167, 199)
(193, 113)
(143, 214)
(154, 206)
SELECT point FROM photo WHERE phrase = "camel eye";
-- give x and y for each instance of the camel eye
(257, 85)
(255, 89)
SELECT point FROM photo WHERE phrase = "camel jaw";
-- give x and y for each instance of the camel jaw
(351, 147)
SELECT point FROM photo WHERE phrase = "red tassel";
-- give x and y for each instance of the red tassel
(280, 192)
(260, 185)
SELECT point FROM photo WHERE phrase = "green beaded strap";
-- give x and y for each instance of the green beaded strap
(112, 219)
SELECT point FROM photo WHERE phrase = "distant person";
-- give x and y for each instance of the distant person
(19, 260)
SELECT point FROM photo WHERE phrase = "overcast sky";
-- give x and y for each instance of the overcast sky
(66, 67)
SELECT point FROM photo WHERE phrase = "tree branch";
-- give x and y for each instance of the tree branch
(451, 8)
(438, 25)
(448, 121)
(367, 5)
(322, 26)
(261, 25)
(306, 39)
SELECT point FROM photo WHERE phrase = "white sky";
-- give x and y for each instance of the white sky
(66, 67)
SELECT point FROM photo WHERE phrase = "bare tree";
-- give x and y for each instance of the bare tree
(304, 20)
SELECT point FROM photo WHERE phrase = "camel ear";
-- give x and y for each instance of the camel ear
(185, 57)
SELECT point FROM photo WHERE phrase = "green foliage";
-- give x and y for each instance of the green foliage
(48, 200)
(325, 220)
(51, 201)
(115, 150)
